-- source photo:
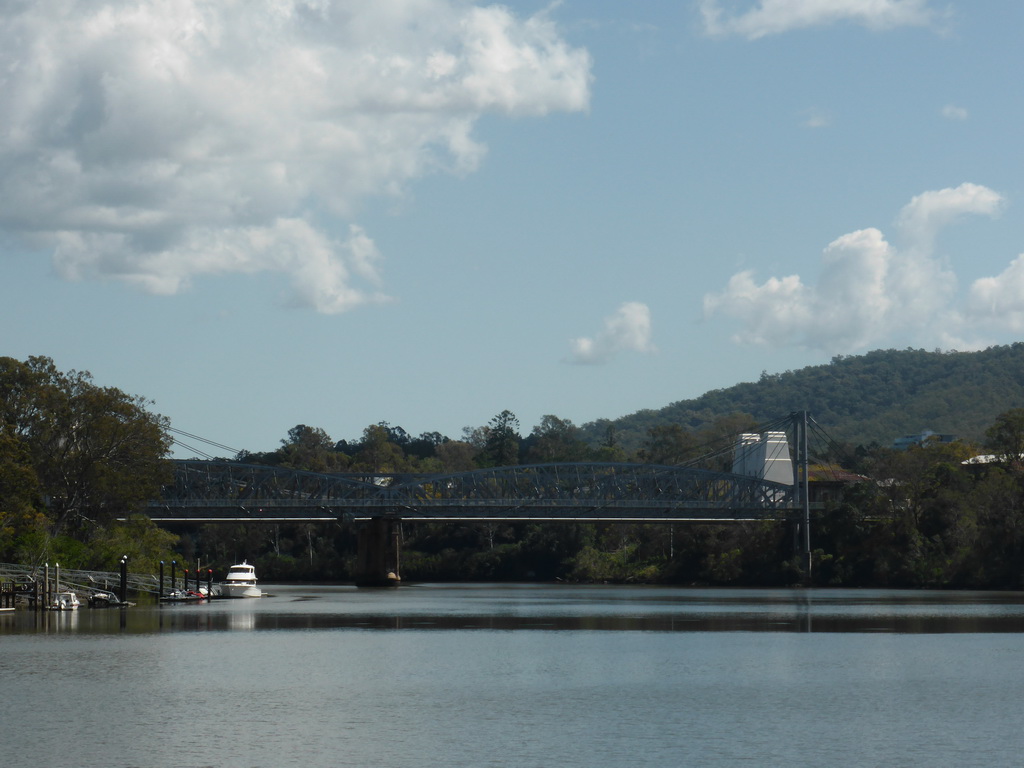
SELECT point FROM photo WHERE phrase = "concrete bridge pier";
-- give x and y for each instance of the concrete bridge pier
(377, 554)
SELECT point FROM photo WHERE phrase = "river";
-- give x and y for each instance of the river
(520, 675)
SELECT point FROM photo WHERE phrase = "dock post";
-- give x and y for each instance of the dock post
(209, 582)
(174, 575)
(160, 594)
(124, 579)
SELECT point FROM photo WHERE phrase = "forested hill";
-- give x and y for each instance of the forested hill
(860, 399)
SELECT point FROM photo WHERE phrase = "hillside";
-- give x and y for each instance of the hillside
(860, 399)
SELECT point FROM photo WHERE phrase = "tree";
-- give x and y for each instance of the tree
(140, 539)
(396, 435)
(20, 496)
(555, 439)
(97, 453)
(310, 449)
(426, 445)
(377, 453)
(668, 444)
(1006, 435)
(501, 448)
(456, 456)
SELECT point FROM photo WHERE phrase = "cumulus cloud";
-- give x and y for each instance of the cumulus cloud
(870, 291)
(772, 17)
(928, 212)
(157, 142)
(999, 301)
(628, 329)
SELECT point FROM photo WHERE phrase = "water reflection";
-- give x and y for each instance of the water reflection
(553, 608)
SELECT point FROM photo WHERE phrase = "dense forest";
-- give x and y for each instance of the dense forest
(859, 400)
(76, 458)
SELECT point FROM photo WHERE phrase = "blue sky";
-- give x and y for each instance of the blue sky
(428, 211)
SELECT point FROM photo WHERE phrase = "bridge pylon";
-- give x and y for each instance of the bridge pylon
(377, 554)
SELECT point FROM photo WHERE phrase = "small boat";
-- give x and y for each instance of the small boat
(64, 601)
(240, 582)
(104, 599)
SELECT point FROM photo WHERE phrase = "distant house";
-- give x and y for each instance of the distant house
(985, 458)
(988, 459)
(927, 437)
(827, 482)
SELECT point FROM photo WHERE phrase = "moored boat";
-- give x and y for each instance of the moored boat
(101, 598)
(240, 582)
(64, 601)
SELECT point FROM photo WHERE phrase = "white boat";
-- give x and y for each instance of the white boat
(240, 582)
(64, 601)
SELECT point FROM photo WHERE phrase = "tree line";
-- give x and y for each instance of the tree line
(860, 399)
(76, 458)
(931, 516)
(386, 449)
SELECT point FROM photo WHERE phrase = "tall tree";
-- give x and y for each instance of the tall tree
(555, 439)
(311, 449)
(377, 453)
(20, 495)
(425, 445)
(97, 452)
(502, 440)
(1006, 435)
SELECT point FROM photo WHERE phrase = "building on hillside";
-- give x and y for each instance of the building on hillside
(925, 438)
(981, 460)
(828, 483)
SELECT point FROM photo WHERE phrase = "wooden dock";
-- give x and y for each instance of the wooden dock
(8, 596)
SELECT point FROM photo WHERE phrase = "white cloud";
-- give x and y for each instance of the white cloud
(928, 212)
(628, 329)
(871, 292)
(999, 301)
(772, 17)
(157, 142)
(953, 112)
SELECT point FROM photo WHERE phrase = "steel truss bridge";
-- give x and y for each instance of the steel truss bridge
(217, 491)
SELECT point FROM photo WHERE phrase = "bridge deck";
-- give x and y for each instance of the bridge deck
(209, 492)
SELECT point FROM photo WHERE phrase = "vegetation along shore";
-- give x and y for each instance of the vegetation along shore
(944, 512)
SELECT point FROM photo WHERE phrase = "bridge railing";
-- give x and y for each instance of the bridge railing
(226, 490)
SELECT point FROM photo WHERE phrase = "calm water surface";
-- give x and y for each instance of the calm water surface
(521, 676)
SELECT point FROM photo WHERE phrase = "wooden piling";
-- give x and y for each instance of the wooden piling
(124, 580)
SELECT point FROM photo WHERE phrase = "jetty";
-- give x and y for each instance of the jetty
(38, 587)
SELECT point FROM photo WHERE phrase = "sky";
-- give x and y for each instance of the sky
(425, 212)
